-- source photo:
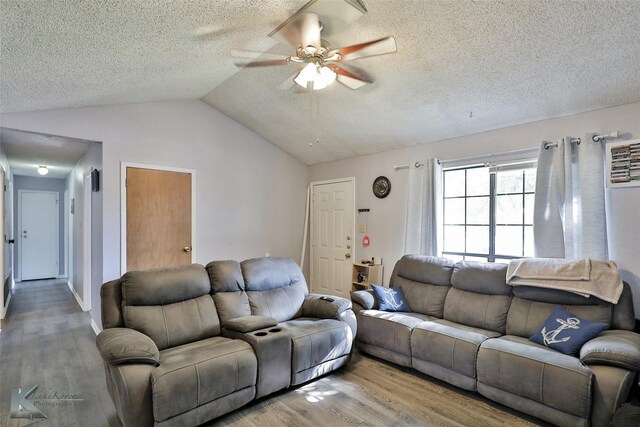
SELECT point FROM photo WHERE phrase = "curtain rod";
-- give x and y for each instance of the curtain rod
(595, 138)
(491, 156)
(482, 157)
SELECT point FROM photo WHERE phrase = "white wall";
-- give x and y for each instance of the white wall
(250, 195)
(387, 217)
(92, 159)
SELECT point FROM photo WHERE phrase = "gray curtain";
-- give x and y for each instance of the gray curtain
(569, 218)
(423, 229)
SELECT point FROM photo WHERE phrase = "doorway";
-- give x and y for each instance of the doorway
(158, 208)
(38, 239)
(332, 232)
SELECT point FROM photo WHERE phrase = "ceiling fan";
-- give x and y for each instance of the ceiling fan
(319, 63)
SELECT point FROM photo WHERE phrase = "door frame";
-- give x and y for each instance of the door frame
(123, 206)
(67, 227)
(19, 239)
(87, 234)
(350, 179)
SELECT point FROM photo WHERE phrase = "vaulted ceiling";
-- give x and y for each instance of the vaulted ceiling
(462, 66)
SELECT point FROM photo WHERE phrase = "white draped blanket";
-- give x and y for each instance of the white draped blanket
(585, 277)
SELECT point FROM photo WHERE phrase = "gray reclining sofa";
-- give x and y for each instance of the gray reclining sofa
(469, 328)
(184, 345)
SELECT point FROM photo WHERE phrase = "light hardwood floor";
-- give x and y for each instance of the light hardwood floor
(47, 340)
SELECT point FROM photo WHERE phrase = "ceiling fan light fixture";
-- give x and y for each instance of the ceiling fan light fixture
(43, 170)
(321, 76)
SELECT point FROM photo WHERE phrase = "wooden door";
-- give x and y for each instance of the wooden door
(158, 216)
(39, 227)
(332, 238)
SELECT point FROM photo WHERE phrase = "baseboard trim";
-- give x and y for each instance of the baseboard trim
(6, 305)
(95, 327)
(78, 300)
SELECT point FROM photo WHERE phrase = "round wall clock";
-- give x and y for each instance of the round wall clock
(381, 187)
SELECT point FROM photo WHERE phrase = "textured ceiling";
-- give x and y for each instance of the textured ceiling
(26, 150)
(461, 67)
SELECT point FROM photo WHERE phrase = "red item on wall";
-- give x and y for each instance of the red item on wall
(365, 241)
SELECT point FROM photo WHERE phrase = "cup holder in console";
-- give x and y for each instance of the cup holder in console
(275, 330)
(260, 334)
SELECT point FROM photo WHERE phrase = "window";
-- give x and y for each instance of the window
(488, 212)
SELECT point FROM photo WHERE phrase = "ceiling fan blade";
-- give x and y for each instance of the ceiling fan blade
(349, 79)
(239, 53)
(310, 31)
(372, 48)
(269, 63)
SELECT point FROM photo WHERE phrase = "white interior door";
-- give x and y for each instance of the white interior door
(333, 222)
(38, 234)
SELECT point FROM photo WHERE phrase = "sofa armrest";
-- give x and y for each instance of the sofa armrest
(250, 323)
(324, 306)
(122, 345)
(365, 299)
(615, 348)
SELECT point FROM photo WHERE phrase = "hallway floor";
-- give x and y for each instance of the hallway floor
(47, 340)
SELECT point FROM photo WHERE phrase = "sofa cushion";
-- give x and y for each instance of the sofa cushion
(316, 341)
(194, 374)
(477, 310)
(170, 305)
(425, 282)
(525, 316)
(227, 287)
(448, 351)
(275, 287)
(390, 299)
(566, 332)
(481, 277)
(540, 374)
(390, 331)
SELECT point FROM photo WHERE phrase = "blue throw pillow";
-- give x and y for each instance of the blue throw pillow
(565, 332)
(390, 299)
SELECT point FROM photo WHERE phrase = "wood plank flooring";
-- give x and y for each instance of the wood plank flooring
(47, 340)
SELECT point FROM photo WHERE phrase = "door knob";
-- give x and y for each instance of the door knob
(347, 255)
(187, 249)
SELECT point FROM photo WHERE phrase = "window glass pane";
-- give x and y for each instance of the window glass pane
(454, 211)
(478, 210)
(478, 182)
(502, 261)
(475, 258)
(454, 183)
(528, 241)
(528, 208)
(454, 238)
(454, 258)
(509, 182)
(509, 209)
(530, 180)
(508, 240)
(478, 239)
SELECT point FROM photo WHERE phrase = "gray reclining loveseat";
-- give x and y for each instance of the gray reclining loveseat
(469, 328)
(184, 345)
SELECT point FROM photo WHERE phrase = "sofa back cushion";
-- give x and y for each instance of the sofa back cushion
(275, 287)
(425, 282)
(541, 302)
(227, 287)
(526, 316)
(170, 305)
(480, 296)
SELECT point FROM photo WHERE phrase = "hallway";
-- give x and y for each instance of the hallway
(47, 340)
